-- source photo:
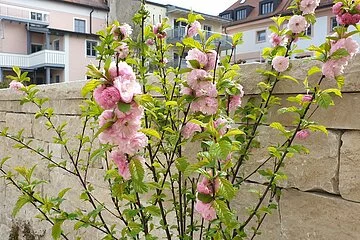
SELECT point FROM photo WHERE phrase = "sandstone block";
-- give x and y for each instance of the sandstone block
(307, 216)
(18, 121)
(349, 177)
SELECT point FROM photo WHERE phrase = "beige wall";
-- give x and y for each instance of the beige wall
(14, 38)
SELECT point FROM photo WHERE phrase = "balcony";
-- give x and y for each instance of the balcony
(178, 33)
(44, 58)
(23, 15)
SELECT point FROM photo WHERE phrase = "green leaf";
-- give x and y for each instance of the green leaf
(22, 200)
(336, 91)
(340, 53)
(225, 148)
(223, 212)
(2, 162)
(289, 78)
(151, 132)
(56, 229)
(104, 127)
(194, 63)
(181, 164)
(205, 198)
(320, 128)
(137, 170)
(212, 38)
(325, 100)
(278, 126)
(313, 70)
(63, 192)
(226, 189)
(237, 38)
(153, 210)
(90, 86)
(171, 103)
(234, 132)
(124, 107)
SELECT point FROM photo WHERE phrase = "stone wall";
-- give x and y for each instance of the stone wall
(320, 200)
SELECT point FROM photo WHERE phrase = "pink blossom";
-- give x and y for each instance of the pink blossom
(306, 98)
(206, 105)
(106, 116)
(205, 186)
(199, 56)
(186, 91)
(206, 88)
(303, 134)
(137, 142)
(346, 19)
(211, 57)
(126, 30)
(280, 63)
(195, 77)
(276, 40)
(122, 51)
(15, 85)
(127, 88)
(297, 24)
(356, 19)
(190, 129)
(206, 210)
(235, 102)
(106, 97)
(339, 19)
(332, 69)
(127, 127)
(350, 45)
(336, 9)
(122, 163)
(309, 6)
(122, 69)
(158, 31)
(192, 31)
(150, 42)
(221, 125)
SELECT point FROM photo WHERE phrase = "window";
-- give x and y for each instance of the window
(261, 36)
(90, 48)
(226, 16)
(57, 78)
(240, 14)
(79, 25)
(333, 24)
(308, 31)
(56, 45)
(266, 8)
(36, 48)
(38, 16)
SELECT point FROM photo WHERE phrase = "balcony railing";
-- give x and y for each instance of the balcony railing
(178, 33)
(42, 58)
(23, 15)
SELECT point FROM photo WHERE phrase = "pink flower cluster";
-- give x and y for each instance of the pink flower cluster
(121, 125)
(200, 83)
(192, 29)
(15, 85)
(309, 6)
(159, 31)
(297, 24)
(276, 40)
(280, 63)
(121, 32)
(335, 67)
(345, 16)
(207, 187)
(235, 101)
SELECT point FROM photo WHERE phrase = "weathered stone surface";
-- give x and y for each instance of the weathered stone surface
(307, 216)
(12, 122)
(246, 200)
(349, 177)
(317, 170)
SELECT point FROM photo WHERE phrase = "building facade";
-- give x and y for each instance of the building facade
(51, 39)
(211, 24)
(252, 17)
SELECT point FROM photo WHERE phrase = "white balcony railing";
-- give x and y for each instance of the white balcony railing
(38, 59)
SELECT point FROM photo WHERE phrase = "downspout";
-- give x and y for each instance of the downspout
(92, 10)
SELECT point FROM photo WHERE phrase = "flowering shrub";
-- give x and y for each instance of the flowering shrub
(145, 128)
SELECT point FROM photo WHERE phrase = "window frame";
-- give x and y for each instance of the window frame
(311, 27)
(226, 14)
(79, 19)
(91, 49)
(38, 45)
(56, 40)
(258, 34)
(262, 4)
(244, 10)
(331, 19)
(44, 16)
